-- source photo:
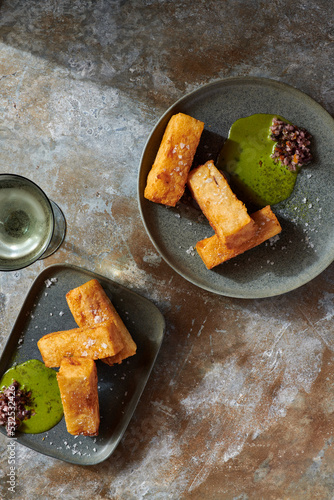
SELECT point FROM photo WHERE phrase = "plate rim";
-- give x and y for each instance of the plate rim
(326, 262)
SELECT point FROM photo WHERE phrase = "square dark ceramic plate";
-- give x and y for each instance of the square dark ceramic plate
(45, 310)
(306, 245)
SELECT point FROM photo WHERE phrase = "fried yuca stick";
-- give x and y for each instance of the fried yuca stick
(167, 178)
(213, 251)
(96, 342)
(90, 305)
(226, 214)
(77, 381)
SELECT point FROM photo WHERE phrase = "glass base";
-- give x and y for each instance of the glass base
(58, 232)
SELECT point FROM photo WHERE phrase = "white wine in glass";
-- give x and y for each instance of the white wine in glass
(31, 226)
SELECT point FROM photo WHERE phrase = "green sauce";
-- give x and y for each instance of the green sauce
(34, 376)
(254, 175)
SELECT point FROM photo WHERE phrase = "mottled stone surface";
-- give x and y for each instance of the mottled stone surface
(240, 402)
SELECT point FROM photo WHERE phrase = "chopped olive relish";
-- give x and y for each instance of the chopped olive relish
(292, 148)
(13, 407)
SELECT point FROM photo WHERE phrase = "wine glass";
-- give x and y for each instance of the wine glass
(32, 226)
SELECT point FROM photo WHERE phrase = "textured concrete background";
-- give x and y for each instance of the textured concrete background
(240, 402)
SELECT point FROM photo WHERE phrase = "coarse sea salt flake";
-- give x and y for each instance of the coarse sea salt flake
(274, 239)
(49, 282)
(89, 343)
(191, 251)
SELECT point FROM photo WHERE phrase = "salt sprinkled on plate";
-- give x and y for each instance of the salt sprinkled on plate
(274, 239)
(49, 282)
(191, 251)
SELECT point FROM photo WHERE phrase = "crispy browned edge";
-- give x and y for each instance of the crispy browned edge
(88, 301)
(75, 399)
(167, 178)
(228, 215)
(213, 251)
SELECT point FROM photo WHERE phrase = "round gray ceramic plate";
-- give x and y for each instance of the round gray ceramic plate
(306, 245)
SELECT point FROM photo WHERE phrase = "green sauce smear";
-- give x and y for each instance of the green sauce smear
(34, 376)
(246, 157)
